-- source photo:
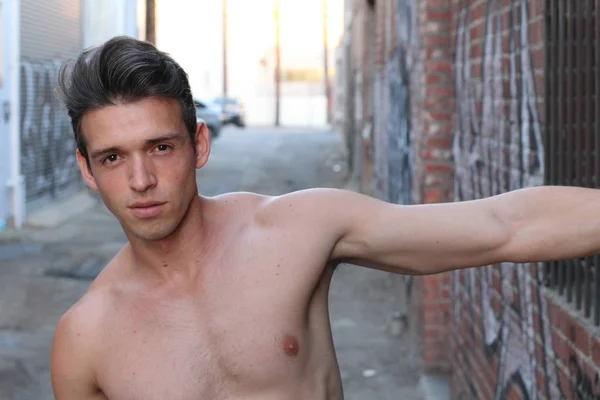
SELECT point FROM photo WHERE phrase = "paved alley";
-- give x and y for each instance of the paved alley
(43, 272)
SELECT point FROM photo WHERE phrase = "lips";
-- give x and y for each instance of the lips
(146, 209)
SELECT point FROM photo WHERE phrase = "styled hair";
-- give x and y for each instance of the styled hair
(122, 70)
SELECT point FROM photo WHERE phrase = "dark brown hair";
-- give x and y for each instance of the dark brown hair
(122, 70)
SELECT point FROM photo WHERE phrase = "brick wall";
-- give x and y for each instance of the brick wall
(465, 79)
(433, 166)
(501, 323)
(512, 338)
(410, 154)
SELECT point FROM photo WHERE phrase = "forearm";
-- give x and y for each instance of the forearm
(550, 223)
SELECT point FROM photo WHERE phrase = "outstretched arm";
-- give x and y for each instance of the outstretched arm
(526, 225)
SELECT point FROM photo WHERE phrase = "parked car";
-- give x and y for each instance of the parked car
(231, 110)
(210, 116)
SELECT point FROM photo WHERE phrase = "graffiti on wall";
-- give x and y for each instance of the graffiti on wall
(581, 385)
(498, 147)
(393, 152)
(47, 146)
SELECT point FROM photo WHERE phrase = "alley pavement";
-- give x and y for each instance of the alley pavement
(44, 271)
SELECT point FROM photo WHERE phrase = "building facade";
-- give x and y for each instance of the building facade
(463, 99)
(37, 164)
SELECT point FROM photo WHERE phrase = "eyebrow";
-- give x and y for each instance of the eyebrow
(115, 149)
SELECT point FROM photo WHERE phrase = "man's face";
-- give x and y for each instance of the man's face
(143, 163)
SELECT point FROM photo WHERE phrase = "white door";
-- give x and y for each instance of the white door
(5, 111)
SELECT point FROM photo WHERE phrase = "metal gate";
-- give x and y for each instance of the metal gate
(572, 132)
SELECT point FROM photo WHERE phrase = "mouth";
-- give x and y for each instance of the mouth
(146, 209)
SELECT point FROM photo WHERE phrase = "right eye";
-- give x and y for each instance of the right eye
(110, 159)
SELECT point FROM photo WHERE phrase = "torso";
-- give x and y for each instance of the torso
(253, 325)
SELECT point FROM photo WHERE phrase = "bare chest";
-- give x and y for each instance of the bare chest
(255, 326)
(192, 353)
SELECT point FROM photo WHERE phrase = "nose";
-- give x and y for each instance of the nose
(142, 175)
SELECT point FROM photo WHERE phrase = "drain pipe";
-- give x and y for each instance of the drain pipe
(17, 182)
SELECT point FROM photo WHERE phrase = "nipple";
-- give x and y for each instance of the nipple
(290, 345)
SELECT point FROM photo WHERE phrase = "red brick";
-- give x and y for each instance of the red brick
(478, 12)
(448, 195)
(442, 92)
(437, 53)
(535, 294)
(552, 311)
(439, 142)
(432, 282)
(438, 66)
(540, 380)
(582, 338)
(436, 155)
(536, 32)
(433, 14)
(539, 353)
(438, 130)
(437, 104)
(536, 323)
(477, 30)
(441, 116)
(514, 393)
(595, 350)
(435, 318)
(563, 322)
(436, 168)
(564, 380)
(436, 4)
(432, 196)
(476, 50)
(434, 180)
(537, 57)
(561, 347)
(437, 40)
(536, 8)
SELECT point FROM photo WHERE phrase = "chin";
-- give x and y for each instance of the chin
(153, 232)
(151, 236)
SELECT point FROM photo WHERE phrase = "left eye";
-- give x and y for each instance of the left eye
(162, 147)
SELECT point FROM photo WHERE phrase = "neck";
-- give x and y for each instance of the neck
(175, 257)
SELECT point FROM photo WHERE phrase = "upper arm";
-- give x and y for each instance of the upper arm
(416, 239)
(422, 239)
(71, 365)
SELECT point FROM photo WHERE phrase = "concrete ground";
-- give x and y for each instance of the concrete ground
(44, 271)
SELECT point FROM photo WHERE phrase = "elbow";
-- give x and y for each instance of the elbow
(513, 246)
(508, 225)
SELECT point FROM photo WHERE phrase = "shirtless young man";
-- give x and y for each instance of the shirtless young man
(226, 297)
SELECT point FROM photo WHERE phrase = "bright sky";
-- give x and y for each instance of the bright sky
(190, 30)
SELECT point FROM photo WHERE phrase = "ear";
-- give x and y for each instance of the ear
(202, 144)
(85, 171)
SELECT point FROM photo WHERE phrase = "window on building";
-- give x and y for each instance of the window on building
(572, 137)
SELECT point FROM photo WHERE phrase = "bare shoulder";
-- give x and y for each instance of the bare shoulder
(239, 200)
(75, 347)
(327, 211)
(302, 200)
(309, 205)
